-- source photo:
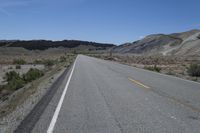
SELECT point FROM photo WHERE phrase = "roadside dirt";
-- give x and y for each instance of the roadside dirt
(21, 102)
(170, 65)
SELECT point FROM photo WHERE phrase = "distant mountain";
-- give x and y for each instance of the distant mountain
(46, 44)
(185, 43)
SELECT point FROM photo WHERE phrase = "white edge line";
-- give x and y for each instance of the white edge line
(56, 113)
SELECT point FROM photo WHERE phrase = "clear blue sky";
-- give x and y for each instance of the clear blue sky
(113, 21)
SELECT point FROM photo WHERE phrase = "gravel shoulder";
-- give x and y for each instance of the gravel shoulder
(20, 103)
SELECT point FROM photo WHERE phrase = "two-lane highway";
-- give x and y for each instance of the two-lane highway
(106, 97)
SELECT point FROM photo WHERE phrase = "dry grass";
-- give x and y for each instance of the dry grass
(176, 66)
(16, 98)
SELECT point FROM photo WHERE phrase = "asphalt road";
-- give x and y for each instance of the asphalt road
(108, 97)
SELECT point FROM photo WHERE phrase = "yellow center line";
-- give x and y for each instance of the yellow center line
(173, 99)
(139, 83)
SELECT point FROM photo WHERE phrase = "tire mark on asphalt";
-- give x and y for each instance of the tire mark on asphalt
(176, 100)
(109, 108)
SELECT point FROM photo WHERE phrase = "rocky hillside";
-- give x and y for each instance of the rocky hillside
(185, 43)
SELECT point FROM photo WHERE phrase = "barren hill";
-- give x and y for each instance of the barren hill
(185, 43)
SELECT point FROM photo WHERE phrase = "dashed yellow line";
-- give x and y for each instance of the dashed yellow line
(173, 99)
(139, 83)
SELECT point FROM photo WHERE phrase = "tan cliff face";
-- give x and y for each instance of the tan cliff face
(185, 43)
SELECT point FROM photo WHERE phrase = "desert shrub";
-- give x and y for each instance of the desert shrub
(18, 67)
(153, 68)
(49, 62)
(32, 74)
(74, 52)
(194, 70)
(38, 62)
(198, 36)
(19, 61)
(170, 73)
(1, 88)
(63, 59)
(11, 75)
(14, 81)
(15, 84)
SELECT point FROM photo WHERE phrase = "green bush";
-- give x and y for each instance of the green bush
(153, 68)
(198, 36)
(12, 75)
(19, 61)
(10, 67)
(14, 81)
(18, 67)
(194, 70)
(32, 74)
(49, 62)
(15, 84)
(1, 88)
(38, 62)
(63, 59)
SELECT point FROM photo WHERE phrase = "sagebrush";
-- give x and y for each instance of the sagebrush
(194, 70)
